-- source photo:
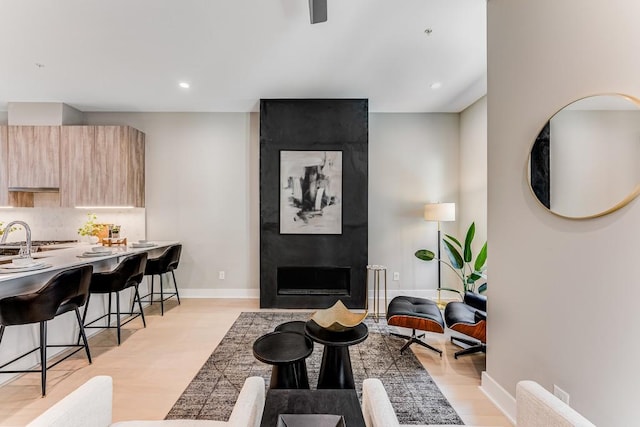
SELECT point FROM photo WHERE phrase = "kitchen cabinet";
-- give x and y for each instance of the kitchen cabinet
(33, 157)
(102, 166)
(4, 193)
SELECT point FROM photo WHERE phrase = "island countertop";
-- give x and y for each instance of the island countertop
(28, 281)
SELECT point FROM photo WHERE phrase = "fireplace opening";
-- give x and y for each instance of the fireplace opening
(314, 281)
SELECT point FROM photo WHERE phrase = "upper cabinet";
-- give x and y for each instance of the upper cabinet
(102, 166)
(4, 194)
(33, 155)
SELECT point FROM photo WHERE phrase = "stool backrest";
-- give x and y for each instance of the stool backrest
(131, 269)
(169, 260)
(69, 287)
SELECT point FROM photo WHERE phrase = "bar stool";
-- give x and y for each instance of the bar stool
(66, 291)
(128, 274)
(165, 263)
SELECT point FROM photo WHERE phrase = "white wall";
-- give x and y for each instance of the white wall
(563, 292)
(473, 172)
(413, 160)
(202, 187)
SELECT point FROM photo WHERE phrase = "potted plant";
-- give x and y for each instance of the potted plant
(461, 261)
(92, 229)
(2, 229)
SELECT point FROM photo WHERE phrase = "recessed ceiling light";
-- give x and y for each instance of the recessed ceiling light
(39, 65)
(436, 85)
(184, 85)
(428, 31)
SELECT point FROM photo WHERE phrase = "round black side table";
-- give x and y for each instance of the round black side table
(292, 326)
(336, 371)
(284, 350)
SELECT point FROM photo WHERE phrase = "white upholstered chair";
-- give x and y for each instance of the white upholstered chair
(90, 406)
(535, 407)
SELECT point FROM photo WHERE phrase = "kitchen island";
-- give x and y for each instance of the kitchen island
(63, 329)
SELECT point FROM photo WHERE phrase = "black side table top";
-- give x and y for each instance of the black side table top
(336, 339)
(336, 402)
(284, 347)
(292, 326)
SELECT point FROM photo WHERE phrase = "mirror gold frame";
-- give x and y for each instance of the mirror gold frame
(621, 203)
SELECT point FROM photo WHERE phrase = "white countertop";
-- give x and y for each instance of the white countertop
(59, 259)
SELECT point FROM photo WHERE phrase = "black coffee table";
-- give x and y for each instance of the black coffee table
(284, 350)
(336, 371)
(337, 402)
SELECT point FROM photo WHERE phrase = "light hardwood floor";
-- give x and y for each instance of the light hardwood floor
(154, 365)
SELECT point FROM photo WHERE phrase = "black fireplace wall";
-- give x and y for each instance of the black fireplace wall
(318, 125)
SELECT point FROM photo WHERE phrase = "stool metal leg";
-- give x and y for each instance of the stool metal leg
(82, 334)
(175, 285)
(109, 311)
(151, 293)
(117, 313)
(137, 295)
(43, 356)
(161, 296)
(1, 331)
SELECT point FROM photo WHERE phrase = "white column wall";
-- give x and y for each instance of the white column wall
(473, 172)
(563, 292)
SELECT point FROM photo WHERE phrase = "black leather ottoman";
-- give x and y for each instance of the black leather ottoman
(415, 313)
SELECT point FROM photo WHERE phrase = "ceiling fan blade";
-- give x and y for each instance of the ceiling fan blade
(318, 11)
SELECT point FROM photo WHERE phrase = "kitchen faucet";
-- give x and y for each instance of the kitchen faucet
(27, 229)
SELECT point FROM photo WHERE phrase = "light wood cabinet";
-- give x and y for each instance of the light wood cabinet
(4, 193)
(102, 166)
(33, 156)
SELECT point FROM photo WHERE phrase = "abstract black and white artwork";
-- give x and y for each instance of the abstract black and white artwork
(310, 192)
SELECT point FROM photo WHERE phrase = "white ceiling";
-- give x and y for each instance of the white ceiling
(129, 55)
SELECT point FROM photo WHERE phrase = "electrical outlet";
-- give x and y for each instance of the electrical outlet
(221, 275)
(561, 394)
(396, 275)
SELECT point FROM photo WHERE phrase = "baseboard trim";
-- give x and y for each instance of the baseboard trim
(220, 293)
(499, 396)
(255, 293)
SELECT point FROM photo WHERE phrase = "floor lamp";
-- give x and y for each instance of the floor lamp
(439, 212)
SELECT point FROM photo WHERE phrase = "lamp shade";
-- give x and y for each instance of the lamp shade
(440, 212)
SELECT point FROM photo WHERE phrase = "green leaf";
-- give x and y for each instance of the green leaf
(481, 259)
(468, 256)
(424, 255)
(454, 255)
(453, 239)
(482, 288)
(473, 277)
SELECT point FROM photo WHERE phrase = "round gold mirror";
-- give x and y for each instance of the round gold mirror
(585, 162)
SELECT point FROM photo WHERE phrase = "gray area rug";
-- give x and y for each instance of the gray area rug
(214, 390)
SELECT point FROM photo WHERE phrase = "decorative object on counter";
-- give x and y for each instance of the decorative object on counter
(440, 212)
(94, 230)
(114, 231)
(338, 318)
(114, 241)
(377, 270)
(461, 263)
